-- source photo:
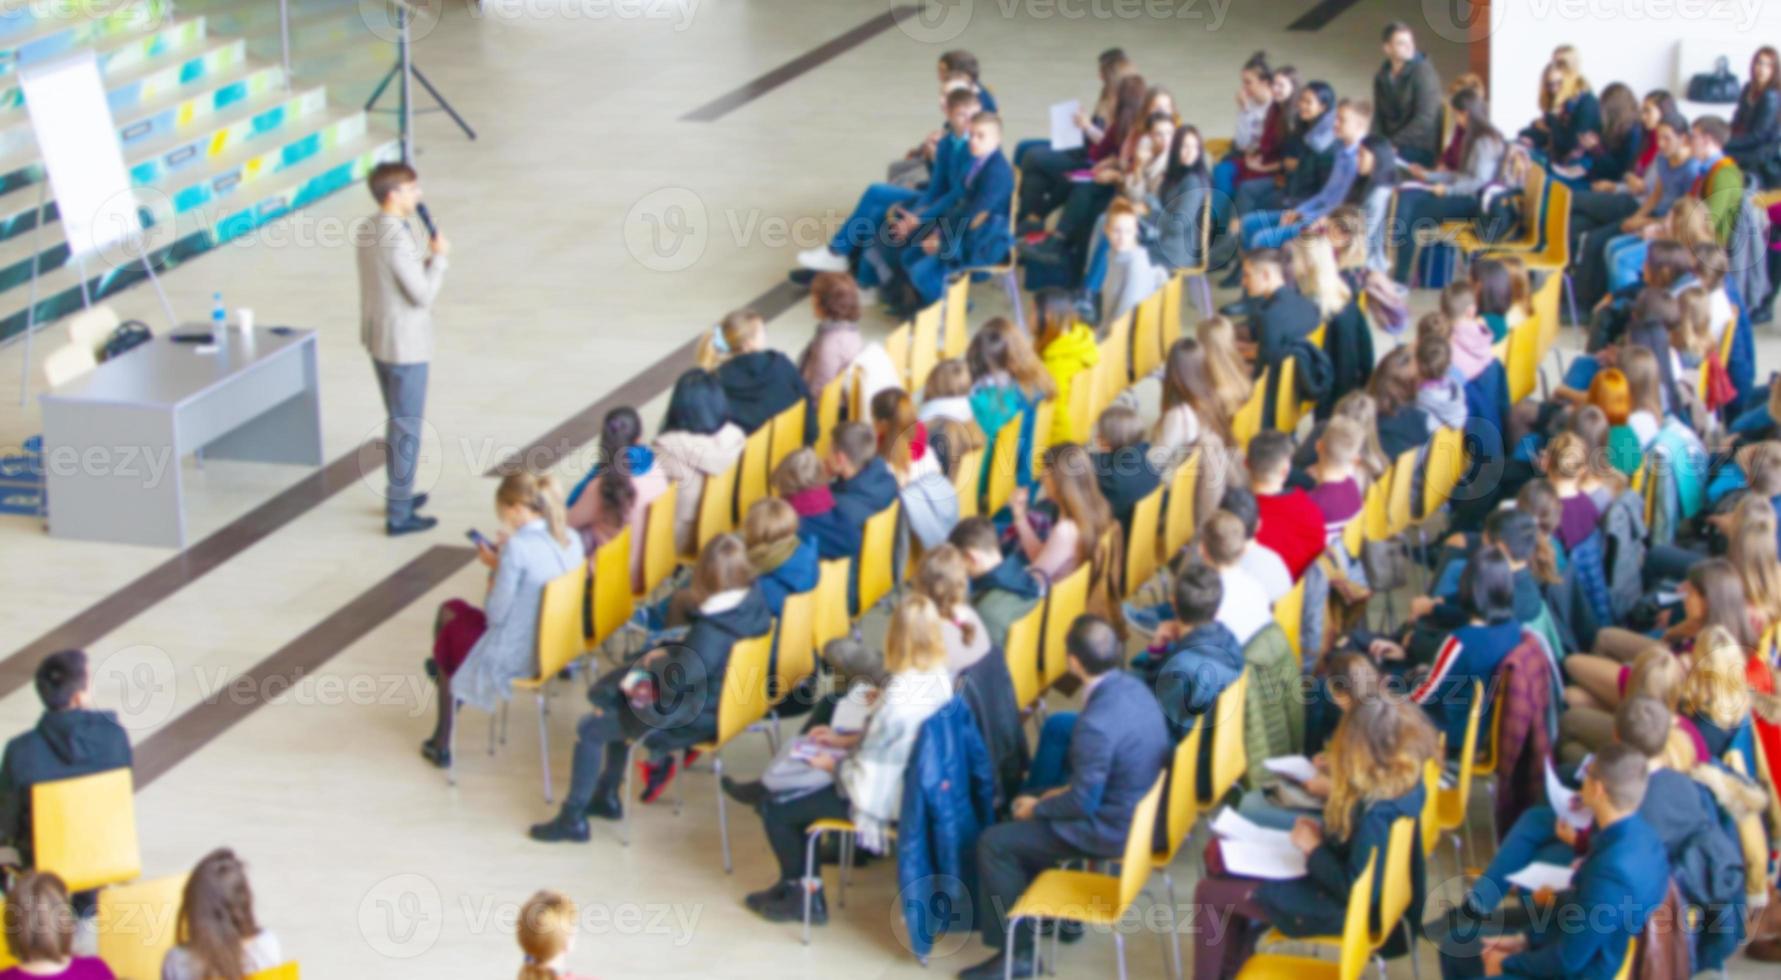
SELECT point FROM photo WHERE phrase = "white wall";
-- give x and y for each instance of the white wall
(1646, 44)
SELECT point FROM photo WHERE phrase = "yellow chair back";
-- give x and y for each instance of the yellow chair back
(1140, 555)
(828, 412)
(1357, 947)
(84, 829)
(753, 476)
(560, 638)
(1545, 303)
(1394, 895)
(1626, 962)
(967, 476)
(878, 547)
(1043, 414)
(1169, 330)
(1376, 510)
(957, 332)
(1523, 363)
(1134, 870)
(1248, 420)
(1084, 398)
(1446, 463)
(1461, 794)
(1178, 523)
(1022, 653)
(284, 971)
(1068, 600)
(1403, 478)
(715, 501)
(1431, 788)
(924, 345)
(1147, 335)
(659, 557)
(137, 924)
(829, 620)
(1287, 408)
(1289, 612)
(795, 645)
(896, 344)
(612, 598)
(1230, 756)
(743, 697)
(788, 434)
(1004, 466)
(1118, 346)
(1184, 809)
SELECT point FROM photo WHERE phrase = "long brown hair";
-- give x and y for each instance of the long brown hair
(1541, 501)
(943, 577)
(1187, 381)
(1070, 472)
(1393, 384)
(1232, 380)
(216, 915)
(1753, 551)
(1376, 754)
(893, 415)
(39, 921)
(1128, 103)
(1000, 347)
(1722, 593)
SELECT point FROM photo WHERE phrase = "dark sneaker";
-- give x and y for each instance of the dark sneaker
(560, 829)
(656, 777)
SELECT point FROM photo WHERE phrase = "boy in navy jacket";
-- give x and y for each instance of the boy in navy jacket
(975, 230)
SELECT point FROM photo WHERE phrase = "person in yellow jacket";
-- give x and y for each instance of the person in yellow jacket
(1067, 347)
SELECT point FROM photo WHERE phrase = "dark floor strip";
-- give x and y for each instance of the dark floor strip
(583, 427)
(729, 102)
(111, 612)
(234, 701)
(1319, 17)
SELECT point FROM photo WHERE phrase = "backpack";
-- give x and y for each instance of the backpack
(129, 335)
(1718, 86)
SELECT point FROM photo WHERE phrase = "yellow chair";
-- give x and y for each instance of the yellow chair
(828, 412)
(560, 641)
(1169, 330)
(1545, 310)
(284, 971)
(1022, 652)
(1068, 600)
(897, 346)
(742, 702)
(1446, 464)
(715, 516)
(1403, 478)
(1118, 346)
(137, 924)
(1178, 521)
(967, 477)
(1356, 944)
(84, 829)
(1287, 407)
(813, 836)
(829, 620)
(1089, 898)
(788, 434)
(1109, 372)
(1533, 192)
(794, 656)
(1248, 420)
(1140, 555)
(878, 545)
(1084, 397)
(955, 333)
(1004, 466)
(611, 597)
(924, 345)
(1376, 510)
(1043, 414)
(752, 481)
(1147, 336)
(1451, 805)
(1230, 754)
(1523, 363)
(1553, 256)
(659, 556)
(1289, 612)
(1395, 892)
(1181, 811)
(1431, 793)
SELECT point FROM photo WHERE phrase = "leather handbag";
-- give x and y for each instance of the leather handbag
(1718, 85)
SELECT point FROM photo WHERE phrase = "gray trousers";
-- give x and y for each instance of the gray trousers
(404, 388)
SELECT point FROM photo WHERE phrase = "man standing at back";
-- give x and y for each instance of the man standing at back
(398, 281)
(1407, 98)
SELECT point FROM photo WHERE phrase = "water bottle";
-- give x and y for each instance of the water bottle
(218, 315)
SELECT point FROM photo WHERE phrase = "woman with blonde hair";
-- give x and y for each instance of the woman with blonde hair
(868, 766)
(1587, 723)
(1752, 551)
(1347, 336)
(943, 577)
(758, 381)
(478, 654)
(546, 934)
(1692, 337)
(784, 563)
(1232, 380)
(1715, 695)
(1570, 122)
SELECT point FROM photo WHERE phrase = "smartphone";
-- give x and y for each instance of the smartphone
(478, 540)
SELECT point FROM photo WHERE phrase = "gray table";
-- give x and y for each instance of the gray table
(113, 438)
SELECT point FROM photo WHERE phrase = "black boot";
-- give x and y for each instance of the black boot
(751, 793)
(605, 806)
(1026, 964)
(562, 828)
(788, 905)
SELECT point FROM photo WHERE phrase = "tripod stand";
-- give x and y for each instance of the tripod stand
(409, 72)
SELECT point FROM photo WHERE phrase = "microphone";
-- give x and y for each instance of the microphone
(427, 219)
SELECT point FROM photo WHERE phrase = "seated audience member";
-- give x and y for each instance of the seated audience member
(1304, 159)
(836, 301)
(803, 483)
(1587, 722)
(758, 381)
(1264, 564)
(1178, 210)
(1045, 173)
(1232, 379)
(1261, 123)
(951, 441)
(902, 438)
(1292, 526)
(1375, 774)
(1002, 589)
(1279, 315)
(1720, 185)
(1132, 275)
(1453, 193)
(1756, 124)
(667, 694)
(1516, 534)
(71, 739)
(1272, 229)
(617, 493)
(867, 767)
(1117, 747)
(1407, 92)
(478, 654)
(1403, 424)
(1438, 393)
(1082, 514)
(1469, 336)
(697, 440)
(1493, 288)
(974, 231)
(1339, 493)
(784, 563)
(546, 931)
(1244, 610)
(1620, 883)
(1667, 180)
(863, 484)
(1122, 462)
(1066, 346)
(1570, 121)
(943, 576)
(1472, 651)
(1715, 695)
(1348, 338)
(1370, 463)
(217, 933)
(40, 932)
(947, 394)
(1194, 417)
(1007, 381)
(1200, 656)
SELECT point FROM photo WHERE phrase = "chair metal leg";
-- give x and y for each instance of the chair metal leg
(627, 803)
(1203, 285)
(1410, 944)
(1008, 951)
(544, 747)
(846, 849)
(1119, 945)
(723, 818)
(1570, 297)
(1042, 965)
(1011, 285)
(1379, 961)
(451, 745)
(1174, 925)
(811, 841)
(495, 723)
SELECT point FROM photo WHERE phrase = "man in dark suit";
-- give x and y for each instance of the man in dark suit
(70, 740)
(1278, 313)
(975, 230)
(1118, 745)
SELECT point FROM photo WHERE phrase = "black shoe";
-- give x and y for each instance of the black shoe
(436, 754)
(756, 900)
(751, 793)
(418, 501)
(1026, 964)
(560, 829)
(606, 808)
(788, 906)
(1070, 932)
(410, 525)
(802, 277)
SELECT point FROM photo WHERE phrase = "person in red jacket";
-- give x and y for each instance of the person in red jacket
(1292, 525)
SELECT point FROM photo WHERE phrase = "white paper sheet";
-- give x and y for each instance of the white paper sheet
(1253, 860)
(1564, 801)
(1065, 134)
(1294, 767)
(1233, 826)
(1540, 875)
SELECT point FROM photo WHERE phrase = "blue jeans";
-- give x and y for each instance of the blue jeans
(1097, 265)
(404, 388)
(1531, 839)
(1051, 759)
(1258, 194)
(1254, 805)
(868, 215)
(1224, 188)
(1625, 257)
(1265, 229)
